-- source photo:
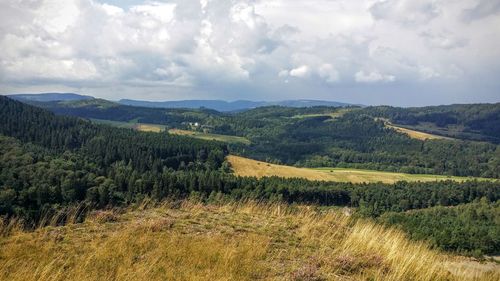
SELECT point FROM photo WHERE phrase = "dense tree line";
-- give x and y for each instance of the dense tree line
(106, 110)
(102, 144)
(359, 141)
(48, 162)
(34, 180)
(471, 121)
(302, 137)
(472, 229)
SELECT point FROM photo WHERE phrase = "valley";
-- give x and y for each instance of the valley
(80, 179)
(179, 140)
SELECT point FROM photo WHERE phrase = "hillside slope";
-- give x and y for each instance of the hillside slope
(46, 97)
(246, 167)
(189, 241)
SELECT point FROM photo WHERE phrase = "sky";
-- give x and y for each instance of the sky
(395, 52)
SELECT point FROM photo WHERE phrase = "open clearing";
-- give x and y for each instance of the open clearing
(251, 168)
(190, 241)
(336, 114)
(143, 127)
(149, 127)
(416, 134)
(208, 136)
(413, 133)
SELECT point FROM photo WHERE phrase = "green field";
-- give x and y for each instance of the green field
(208, 136)
(348, 174)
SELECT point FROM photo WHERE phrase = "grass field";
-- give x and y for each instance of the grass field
(248, 241)
(149, 127)
(336, 114)
(416, 134)
(207, 136)
(143, 127)
(252, 168)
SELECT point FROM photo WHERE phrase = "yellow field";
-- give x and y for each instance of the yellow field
(143, 127)
(207, 136)
(149, 128)
(416, 134)
(190, 241)
(251, 168)
(336, 114)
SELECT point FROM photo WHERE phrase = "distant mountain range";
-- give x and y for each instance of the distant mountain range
(238, 105)
(219, 105)
(46, 97)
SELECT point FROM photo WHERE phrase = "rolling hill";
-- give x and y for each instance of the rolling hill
(251, 168)
(319, 136)
(225, 106)
(47, 97)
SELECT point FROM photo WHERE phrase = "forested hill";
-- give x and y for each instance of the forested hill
(107, 110)
(322, 136)
(465, 121)
(105, 144)
(46, 97)
(49, 161)
(225, 106)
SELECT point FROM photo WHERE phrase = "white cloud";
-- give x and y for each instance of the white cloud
(233, 48)
(373, 76)
(301, 71)
(406, 11)
(329, 73)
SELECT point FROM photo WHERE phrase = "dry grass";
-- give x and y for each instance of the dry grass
(416, 134)
(251, 168)
(191, 241)
(208, 136)
(149, 127)
(334, 115)
(412, 133)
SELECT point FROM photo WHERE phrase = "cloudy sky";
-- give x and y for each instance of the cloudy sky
(398, 52)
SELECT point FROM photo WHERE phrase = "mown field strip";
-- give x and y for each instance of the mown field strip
(143, 127)
(251, 168)
(416, 134)
(208, 136)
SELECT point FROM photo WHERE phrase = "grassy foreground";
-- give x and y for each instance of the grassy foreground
(252, 168)
(189, 241)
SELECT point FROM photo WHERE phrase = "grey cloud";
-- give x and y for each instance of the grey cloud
(231, 49)
(444, 40)
(482, 9)
(408, 12)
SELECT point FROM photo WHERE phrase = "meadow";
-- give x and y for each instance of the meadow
(209, 136)
(416, 134)
(252, 168)
(143, 127)
(239, 241)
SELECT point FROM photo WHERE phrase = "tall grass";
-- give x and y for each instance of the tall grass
(191, 241)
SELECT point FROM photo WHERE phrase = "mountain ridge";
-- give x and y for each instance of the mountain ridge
(46, 97)
(221, 105)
